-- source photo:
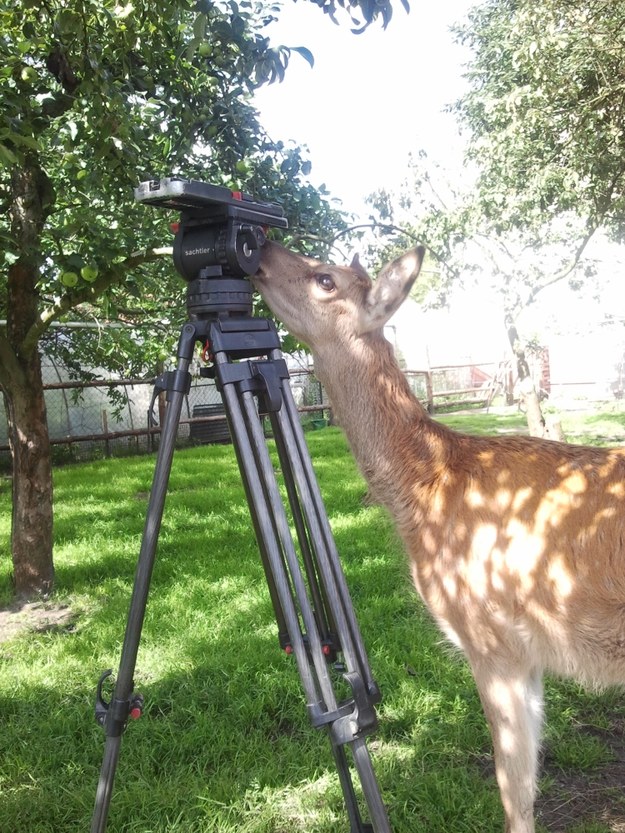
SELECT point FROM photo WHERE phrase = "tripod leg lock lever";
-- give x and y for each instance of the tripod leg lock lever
(363, 718)
(113, 715)
(171, 380)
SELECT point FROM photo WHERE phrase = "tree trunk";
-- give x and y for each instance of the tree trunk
(31, 527)
(21, 380)
(536, 422)
(533, 412)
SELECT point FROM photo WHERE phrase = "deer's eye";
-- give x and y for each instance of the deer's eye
(325, 282)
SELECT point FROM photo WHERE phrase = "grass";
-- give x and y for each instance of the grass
(225, 744)
(606, 427)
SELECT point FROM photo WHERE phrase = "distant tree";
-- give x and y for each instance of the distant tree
(96, 96)
(544, 113)
(544, 125)
(515, 265)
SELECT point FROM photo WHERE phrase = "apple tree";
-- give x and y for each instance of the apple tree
(98, 95)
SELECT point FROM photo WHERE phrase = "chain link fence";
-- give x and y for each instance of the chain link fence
(119, 417)
(111, 417)
(91, 420)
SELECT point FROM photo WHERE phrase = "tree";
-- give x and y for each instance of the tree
(545, 133)
(545, 123)
(97, 96)
(514, 265)
(544, 113)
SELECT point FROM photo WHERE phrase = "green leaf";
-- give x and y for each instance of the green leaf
(305, 53)
(92, 127)
(24, 141)
(238, 26)
(7, 157)
(199, 27)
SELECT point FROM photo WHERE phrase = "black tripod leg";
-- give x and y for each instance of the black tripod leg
(284, 590)
(286, 574)
(115, 715)
(370, 786)
(347, 787)
(314, 647)
(303, 491)
(330, 569)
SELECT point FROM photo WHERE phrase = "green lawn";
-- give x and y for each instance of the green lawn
(225, 744)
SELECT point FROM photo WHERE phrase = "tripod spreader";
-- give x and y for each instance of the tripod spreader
(307, 586)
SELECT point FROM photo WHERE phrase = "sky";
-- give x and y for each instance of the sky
(368, 103)
(370, 99)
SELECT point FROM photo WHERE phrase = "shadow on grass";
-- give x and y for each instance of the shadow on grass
(225, 743)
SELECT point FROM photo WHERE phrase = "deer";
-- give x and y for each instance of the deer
(516, 544)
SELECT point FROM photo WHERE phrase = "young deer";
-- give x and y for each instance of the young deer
(516, 544)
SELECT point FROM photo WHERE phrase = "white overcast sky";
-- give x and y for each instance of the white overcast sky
(370, 99)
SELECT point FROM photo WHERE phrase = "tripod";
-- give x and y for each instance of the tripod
(309, 594)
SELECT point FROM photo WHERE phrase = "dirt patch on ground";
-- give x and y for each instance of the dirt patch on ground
(584, 798)
(576, 801)
(21, 618)
(597, 795)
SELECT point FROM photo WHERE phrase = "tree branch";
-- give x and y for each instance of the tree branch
(566, 271)
(90, 292)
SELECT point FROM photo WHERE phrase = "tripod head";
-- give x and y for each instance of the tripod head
(217, 242)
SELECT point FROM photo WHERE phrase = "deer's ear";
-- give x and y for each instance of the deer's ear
(357, 267)
(390, 289)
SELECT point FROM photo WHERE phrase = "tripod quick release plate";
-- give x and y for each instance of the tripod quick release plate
(209, 201)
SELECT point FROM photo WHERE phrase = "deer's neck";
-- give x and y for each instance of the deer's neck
(391, 435)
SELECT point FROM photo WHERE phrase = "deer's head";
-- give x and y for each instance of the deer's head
(320, 303)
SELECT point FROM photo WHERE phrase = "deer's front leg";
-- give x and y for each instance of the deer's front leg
(513, 704)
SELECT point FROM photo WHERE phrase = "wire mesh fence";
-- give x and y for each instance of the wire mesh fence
(111, 417)
(118, 417)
